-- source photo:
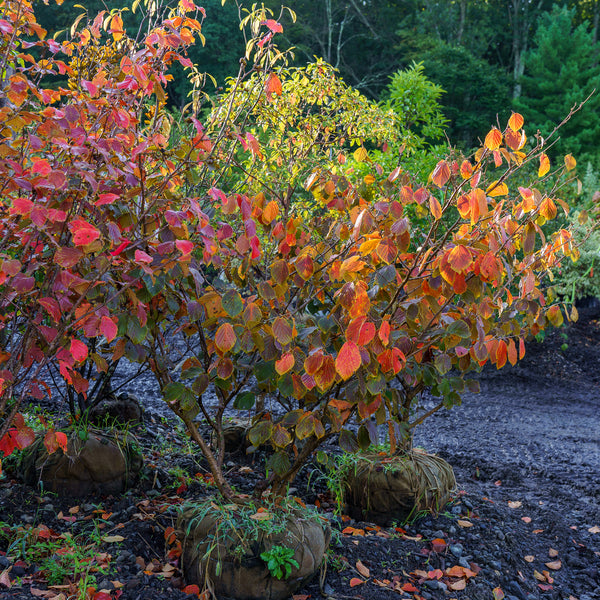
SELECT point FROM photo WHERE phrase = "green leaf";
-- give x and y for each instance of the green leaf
(244, 401)
(364, 439)
(279, 463)
(264, 370)
(232, 303)
(285, 385)
(348, 441)
(386, 275)
(260, 433)
(443, 363)
(459, 328)
(173, 391)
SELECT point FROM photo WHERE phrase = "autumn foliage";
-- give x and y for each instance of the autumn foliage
(341, 315)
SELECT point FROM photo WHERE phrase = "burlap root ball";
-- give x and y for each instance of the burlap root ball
(104, 463)
(395, 489)
(234, 570)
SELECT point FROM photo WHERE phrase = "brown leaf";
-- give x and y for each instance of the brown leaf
(529, 558)
(362, 569)
(462, 523)
(552, 553)
(461, 584)
(555, 565)
(515, 504)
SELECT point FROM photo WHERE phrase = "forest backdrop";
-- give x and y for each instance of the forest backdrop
(539, 57)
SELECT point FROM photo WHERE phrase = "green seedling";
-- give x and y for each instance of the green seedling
(280, 561)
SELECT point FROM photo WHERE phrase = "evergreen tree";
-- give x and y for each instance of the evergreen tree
(561, 71)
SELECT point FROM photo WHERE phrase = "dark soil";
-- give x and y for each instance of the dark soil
(524, 525)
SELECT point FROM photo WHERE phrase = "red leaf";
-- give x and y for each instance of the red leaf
(83, 232)
(108, 328)
(106, 199)
(52, 306)
(348, 360)
(41, 166)
(24, 437)
(356, 581)
(120, 248)
(79, 351)
(184, 246)
(273, 25)
(225, 338)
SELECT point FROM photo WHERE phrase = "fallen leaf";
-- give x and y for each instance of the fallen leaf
(461, 584)
(355, 581)
(438, 545)
(498, 593)
(191, 589)
(4, 578)
(552, 553)
(74, 510)
(536, 531)
(462, 523)
(594, 529)
(300, 597)
(261, 516)
(529, 558)
(435, 574)
(515, 504)
(555, 565)
(526, 519)
(545, 587)
(539, 576)
(362, 569)
(409, 587)
(111, 539)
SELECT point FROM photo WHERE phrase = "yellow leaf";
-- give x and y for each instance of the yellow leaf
(369, 179)
(497, 189)
(544, 165)
(493, 139)
(570, 162)
(368, 246)
(516, 121)
(360, 154)
(111, 539)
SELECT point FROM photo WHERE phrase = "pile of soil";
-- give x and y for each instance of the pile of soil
(524, 525)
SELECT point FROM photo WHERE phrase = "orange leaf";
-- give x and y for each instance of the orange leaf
(548, 209)
(356, 581)
(466, 169)
(460, 258)
(273, 86)
(348, 360)
(362, 569)
(493, 139)
(544, 165)
(435, 208)
(441, 174)
(225, 337)
(516, 121)
(270, 212)
(285, 363)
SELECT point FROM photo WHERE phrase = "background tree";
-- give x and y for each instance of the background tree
(561, 71)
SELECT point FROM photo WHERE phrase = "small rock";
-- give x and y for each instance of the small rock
(439, 534)
(433, 584)
(132, 583)
(456, 549)
(495, 565)
(457, 509)
(105, 584)
(463, 562)
(515, 589)
(4, 562)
